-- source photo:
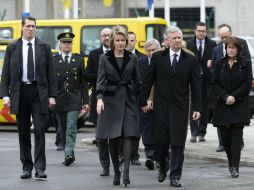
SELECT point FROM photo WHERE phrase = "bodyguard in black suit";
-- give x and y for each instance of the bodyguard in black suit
(72, 93)
(224, 32)
(28, 87)
(172, 72)
(202, 47)
(91, 76)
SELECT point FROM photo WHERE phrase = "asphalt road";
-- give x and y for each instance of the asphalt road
(84, 173)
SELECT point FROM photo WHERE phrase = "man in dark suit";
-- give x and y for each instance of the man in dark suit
(225, 31)
(72, 93)
(132, 41)
(28, 87)
(202, 47)
(145, 124)
(91, 76)
(172, 72)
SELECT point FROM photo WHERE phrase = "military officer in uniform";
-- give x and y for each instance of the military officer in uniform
(72, 93)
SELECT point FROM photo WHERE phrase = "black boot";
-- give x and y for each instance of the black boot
(113, 149)
(127, 156)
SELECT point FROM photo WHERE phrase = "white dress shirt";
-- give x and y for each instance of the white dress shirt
(25, 57)
(171, 54)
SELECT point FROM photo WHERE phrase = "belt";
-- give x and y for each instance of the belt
(29, 83)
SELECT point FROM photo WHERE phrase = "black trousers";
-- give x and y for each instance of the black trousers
(177, 158)
(103, 148)
(29, 104)
(232, 140)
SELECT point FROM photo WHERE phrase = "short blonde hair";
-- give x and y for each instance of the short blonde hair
(117, 30)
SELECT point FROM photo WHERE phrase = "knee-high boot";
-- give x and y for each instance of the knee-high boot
(127, 147)
(113, 149)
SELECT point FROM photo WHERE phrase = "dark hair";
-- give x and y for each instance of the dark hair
(199, 24)
(28, 18)
(225, 25)
(130, 32)
(235, 42)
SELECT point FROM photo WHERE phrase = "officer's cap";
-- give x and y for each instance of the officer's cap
(66, 36)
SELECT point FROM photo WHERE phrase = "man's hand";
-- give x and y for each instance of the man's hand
(150, 105)
(100, 106)
(6, 102)
(52, 102)
(230, 100)
(209, 63)
(196, 115)
(85, 108)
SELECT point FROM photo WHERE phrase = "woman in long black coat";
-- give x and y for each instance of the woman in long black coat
(118, 114)
(232, 79)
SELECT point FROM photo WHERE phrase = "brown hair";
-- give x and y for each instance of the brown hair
(28, 18)
(117, 30)
(235, 42)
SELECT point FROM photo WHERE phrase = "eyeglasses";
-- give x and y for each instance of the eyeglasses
(66, 42)
(149, 50)
(105, 35)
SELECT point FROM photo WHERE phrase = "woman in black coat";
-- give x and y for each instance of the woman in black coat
(117, 107)
(232, 79)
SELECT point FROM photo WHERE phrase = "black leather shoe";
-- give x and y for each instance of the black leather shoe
(135, 162)
(193, 139)
(69, 160)
(117, 177)
(161, 176)
(26, 174)
(220, 149)
(175, 183)
(104, 172)
(149, 164)
(39, 174)
(234, 172)
(201, 139)
(59, 148)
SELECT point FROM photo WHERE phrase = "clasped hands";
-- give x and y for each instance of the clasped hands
(230, 100)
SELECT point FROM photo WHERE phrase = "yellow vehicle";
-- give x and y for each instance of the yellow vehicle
(87, 31)
(5, 117)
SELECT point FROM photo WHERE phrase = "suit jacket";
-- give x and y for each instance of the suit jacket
(12, 74)
(91, 72)
(117, 87)
(207, 52)
(143, 65)
(72, 88)
(171, 95)
(139, 54)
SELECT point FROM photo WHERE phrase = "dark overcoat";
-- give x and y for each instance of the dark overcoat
(237, 83)
(13, 71)
(171, 95)
(91, 72)
(72, 91)
(118, 89)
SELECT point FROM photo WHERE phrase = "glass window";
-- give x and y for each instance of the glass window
(49, 34)
(155, 31)
(90, 38)
(6, 33)
(1, 61)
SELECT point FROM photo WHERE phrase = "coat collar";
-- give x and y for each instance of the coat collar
(112, 60)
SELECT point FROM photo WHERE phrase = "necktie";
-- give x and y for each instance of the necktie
(174, 62)
(66, 59)
(30, 63)
(200, 49)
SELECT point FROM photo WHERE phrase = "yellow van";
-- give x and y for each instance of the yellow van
(87, 31)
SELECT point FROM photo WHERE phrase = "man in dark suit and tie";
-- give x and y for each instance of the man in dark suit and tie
(173, 72)
(91, 76)
(28, 87)
(202, 47)
(225, 31)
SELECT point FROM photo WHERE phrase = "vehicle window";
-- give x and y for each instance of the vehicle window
(6, 33)
(1, 61)
(49, 34)
(155, 31)
(90, 38)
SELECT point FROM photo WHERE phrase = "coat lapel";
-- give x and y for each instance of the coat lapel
(126, 59)
(181, 63)
(112, 61)
(37, 52)
(167, 62)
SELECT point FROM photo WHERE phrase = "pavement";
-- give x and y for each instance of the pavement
(207, 150)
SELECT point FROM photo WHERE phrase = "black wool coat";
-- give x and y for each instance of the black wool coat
(171, 95)
(237, 83)
(13, 70)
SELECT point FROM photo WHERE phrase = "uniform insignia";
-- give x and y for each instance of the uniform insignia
(73, 60)
(67, 35)
(60, 61)
(74, 68)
